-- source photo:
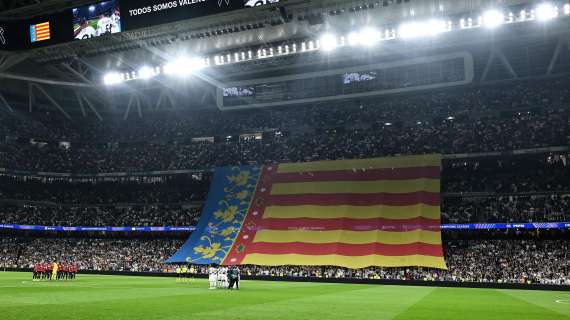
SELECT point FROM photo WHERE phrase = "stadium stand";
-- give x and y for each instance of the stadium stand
(122, 215)
(363, 131)
(143, 255)
(523, 261)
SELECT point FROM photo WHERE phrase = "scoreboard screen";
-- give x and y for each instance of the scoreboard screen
(139, 13)
(112, 16)
(95, 20)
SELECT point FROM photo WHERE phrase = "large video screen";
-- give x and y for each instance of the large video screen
(97, 19)
(104, 17)
(144, 13)
(255, 3)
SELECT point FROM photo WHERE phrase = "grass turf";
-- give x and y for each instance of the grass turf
(116, 297)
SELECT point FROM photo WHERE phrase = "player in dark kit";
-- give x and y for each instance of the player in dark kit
(36, 274)
(46, 271)
(63, 271)
(234, 277)
(49, 271)
(73, 270)
(42, 271)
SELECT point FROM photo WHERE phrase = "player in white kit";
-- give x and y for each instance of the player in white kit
(107, 25)
(213, 277)
(223, 277)
(85, 31)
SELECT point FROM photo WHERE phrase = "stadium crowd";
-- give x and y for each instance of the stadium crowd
(112, 190)
(492, 261)
(507, 175)
(500, 261)
(536, 95)
(140, 255)
(449, 136)
(144, 216)
(505, 209)
(469, 120)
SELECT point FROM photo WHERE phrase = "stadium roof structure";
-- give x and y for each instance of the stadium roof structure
(69, 77)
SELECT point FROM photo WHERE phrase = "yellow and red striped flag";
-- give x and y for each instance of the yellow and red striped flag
(349, 213)
(40, 32)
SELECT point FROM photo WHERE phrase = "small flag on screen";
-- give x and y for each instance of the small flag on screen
(39, 32)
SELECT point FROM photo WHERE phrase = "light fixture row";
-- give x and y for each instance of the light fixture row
(366, 37)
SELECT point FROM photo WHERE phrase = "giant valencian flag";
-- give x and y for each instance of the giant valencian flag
(350, 213)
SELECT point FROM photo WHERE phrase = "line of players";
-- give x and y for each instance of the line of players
(54, 271)
(223, 277)
(185, 273)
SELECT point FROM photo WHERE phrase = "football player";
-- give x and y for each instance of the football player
(85, 31)
(213, 277)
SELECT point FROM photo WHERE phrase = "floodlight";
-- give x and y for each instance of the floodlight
(435, 27)
(410, 30)
(311, 45)
(369, 36)
(421, 29)
(184, 66)
(112, 78)
(146, 72)
(353, 38)
(493, 18)
(328, 42)
(567, 9)
(545, 11)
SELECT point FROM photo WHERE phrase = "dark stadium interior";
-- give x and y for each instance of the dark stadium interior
(78, 152)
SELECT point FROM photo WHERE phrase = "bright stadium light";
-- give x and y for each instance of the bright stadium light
(353, 38)
(369, 36)
(493, 18)
(184, 66)
(567, 9)
(366, 37)
(410, 30)
(112, 78)
(328, 42)
(511, 18)
(435, 27)
(146, 72)
(421, 29)
(545, 12)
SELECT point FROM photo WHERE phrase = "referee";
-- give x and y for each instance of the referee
(234, 277)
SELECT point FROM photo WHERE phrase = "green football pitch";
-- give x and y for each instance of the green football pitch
(116, 297)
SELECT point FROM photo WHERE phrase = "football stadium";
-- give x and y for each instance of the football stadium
(285, 159)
